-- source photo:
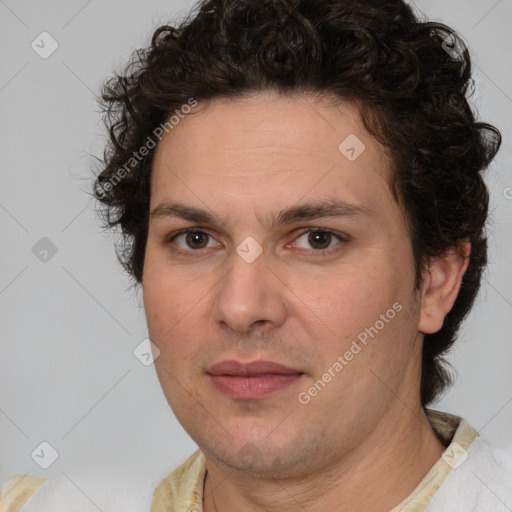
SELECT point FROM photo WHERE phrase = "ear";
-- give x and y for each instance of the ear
(441, 285)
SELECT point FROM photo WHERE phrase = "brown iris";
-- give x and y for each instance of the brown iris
(322, 238)
(196, 237)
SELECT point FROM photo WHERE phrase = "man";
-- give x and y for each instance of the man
(299, 186)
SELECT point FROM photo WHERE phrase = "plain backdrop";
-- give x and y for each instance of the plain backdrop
(69, 319)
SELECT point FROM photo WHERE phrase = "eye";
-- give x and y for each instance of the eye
(192, 239)
(319, 240)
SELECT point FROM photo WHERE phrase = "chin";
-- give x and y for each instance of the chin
(256, 455)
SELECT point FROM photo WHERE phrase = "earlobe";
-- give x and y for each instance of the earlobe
(441, 285)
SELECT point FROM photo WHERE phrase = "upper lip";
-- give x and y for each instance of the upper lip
(237, 368)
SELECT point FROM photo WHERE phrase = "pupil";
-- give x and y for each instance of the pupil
(320, 237)
(193, 238)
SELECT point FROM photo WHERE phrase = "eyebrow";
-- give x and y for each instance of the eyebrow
(328, 208)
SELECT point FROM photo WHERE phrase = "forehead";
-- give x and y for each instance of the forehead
(271, 146)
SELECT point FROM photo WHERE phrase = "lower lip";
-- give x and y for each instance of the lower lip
(251, 388)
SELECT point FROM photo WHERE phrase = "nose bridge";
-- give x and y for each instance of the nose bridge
(249, 292)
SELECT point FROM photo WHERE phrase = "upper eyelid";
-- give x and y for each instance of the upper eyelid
(322, 230)
(185, 231)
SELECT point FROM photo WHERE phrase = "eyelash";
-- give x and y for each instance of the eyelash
(315, 252)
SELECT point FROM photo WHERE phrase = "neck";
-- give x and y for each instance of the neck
(376, 475)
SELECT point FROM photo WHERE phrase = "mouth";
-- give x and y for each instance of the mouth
(251, 381)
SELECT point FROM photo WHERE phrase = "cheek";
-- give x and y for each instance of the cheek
(341, 314)
(175, 316)
(344, 300)
(168, 299)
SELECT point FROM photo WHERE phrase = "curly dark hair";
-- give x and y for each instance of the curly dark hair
(410, 78)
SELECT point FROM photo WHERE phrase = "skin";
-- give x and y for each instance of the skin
(363, 442)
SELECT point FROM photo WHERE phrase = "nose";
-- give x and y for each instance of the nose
(250, 296)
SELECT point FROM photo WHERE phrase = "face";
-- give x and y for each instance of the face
(274, 240)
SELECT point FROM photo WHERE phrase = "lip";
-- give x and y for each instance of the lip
(253, 380)
(254, 368)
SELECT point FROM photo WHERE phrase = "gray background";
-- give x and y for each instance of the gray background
(69, 325)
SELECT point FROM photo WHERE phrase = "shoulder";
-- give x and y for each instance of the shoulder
(87, 491)
(17, 490)
(183, 487)
(482, 481)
